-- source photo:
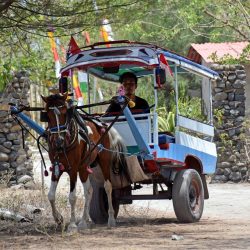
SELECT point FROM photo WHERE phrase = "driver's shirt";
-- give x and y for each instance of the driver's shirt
(140, 104)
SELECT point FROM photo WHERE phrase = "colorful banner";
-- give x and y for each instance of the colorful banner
(106, 31)
(164, 65)
(77, 90)
(55, 53)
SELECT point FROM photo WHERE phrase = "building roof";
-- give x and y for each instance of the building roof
(197, 52)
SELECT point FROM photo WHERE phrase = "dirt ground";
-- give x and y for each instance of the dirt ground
(225, 224)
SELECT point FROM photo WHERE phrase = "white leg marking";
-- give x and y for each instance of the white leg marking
(88, 190)
(52, 198)
(108, 189)
(72, 200)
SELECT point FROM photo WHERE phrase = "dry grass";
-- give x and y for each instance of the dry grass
(43, 223)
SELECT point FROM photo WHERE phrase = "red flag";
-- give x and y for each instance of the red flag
(73, 47)
(164, 65)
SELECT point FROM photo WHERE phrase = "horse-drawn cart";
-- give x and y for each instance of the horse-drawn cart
(174, 163)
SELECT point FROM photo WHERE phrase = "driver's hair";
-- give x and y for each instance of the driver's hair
(128, 75)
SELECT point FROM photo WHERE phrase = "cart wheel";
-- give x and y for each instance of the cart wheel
(188, 196)
(99, 204)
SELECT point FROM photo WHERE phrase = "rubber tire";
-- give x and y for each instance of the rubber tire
(99, 204)
(188, 196)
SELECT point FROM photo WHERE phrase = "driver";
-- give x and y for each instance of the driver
(129, 81)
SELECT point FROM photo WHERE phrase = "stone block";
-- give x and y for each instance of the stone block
(13, 165)
(16, 142)
(243, 170)
(15, 147)
(23, 179)
(4, 166)
(3, 157)
(21, 158)
(21, 170)
(235, 168)
(4, 149)
(220, 96)
(238, 84)
(231, 77)
(12, 136)
(2, 140)
(7, 144)
(12, 156)
(227, 171)
(219, 171)
(230, 96)
(235, 176)
(15, 128)
(3, 113)
(224, 164)
(239, 97)
(232, 158)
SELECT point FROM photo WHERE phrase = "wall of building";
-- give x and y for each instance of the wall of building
(16, 165)
(229, 108)
(247, 89)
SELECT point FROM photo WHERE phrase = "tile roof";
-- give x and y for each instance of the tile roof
(197, 52)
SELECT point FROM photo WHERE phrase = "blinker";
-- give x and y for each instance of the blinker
(44, 116)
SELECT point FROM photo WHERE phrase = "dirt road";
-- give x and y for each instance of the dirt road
(144, 225)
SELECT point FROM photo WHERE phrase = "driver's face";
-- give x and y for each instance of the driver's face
(129, 86)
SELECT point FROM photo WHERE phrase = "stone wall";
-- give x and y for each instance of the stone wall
(229, 109)
(15, 161)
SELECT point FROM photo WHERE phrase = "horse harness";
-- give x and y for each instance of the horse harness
(73, 126)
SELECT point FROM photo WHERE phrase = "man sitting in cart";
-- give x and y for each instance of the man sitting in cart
(129, 81)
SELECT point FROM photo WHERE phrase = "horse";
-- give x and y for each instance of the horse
(72, 149)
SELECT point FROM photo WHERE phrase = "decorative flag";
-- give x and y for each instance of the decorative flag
(77, 90)
(106, 32)
(73, 47)
(83, 82)
(63, 51)
(55, 53)
(87, 37)
(164, 65)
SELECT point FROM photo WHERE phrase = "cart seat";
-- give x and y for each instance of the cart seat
(164, 140)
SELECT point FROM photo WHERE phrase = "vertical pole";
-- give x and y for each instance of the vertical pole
(176, 96)
(210, 104)
(42, 178)
(88, 93)
(155, 117)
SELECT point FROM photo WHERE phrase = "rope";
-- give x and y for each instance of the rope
(101, 148)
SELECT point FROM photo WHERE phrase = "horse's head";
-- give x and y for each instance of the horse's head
(56, 108)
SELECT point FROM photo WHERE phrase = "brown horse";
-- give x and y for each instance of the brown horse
(72, 149)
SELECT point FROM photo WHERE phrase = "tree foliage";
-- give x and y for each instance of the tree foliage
(173, 24)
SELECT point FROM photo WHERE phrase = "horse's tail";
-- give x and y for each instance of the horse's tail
(119, 151)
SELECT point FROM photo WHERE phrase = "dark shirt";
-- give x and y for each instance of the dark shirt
(140, 104)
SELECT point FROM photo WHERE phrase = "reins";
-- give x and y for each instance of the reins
(79, 120)
(106, 131)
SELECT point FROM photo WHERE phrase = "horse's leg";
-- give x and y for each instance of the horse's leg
(88, 190)
(108, 189)
(52, 198)
(104, 162)
(72, 200)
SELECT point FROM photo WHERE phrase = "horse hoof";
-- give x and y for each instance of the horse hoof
(72, 229)
(82, 226)
(111, 223)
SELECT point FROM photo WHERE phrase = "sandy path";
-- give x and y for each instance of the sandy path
(147, 225)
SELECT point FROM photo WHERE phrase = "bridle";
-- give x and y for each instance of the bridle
(62, 130)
